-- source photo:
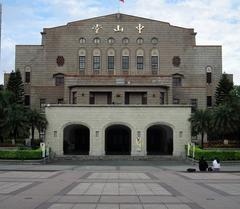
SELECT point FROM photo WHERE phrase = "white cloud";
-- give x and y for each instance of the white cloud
(216, 22)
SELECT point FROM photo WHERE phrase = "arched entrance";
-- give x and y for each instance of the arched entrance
(118, 140)
(159, 140)
(76, 140)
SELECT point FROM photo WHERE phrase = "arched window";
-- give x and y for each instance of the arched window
(140, 58)
(111, 57)
(209, 74)
(177, 79)
(27, 74)
(82, 59)
(96, 59)
(125, 59)
(82, 40)
(154, 59)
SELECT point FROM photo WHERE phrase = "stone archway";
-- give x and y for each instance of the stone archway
(118, 140)
(159, 140)
(76, 140)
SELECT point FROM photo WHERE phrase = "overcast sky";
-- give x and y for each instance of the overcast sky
(217, 22)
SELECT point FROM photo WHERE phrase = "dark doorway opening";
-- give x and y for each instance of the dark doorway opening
(118, 140)
(76, 140)
(159, 140)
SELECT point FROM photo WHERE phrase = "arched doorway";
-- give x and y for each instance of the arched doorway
(118, 140)
(76, 140)
(159, 140)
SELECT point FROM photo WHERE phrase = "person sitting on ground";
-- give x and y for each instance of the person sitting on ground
(203, 165)
(216, 165)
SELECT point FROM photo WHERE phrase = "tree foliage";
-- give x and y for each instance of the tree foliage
(225, 86)
(15, 85)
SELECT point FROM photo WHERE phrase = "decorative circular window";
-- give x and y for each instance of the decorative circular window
(176, 61)
(60, 61)
(82, 40)
(96, 41)
(125, 41)
(111, 41)
(139, 41)
(154, 40)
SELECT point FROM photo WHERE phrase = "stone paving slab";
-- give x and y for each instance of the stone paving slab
(231, 189)
(118, 176)
(118, 189)
(211, 176)
(27, 175)
(8, 187)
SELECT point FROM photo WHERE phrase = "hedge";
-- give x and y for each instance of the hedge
(21, 154)
(221, 154)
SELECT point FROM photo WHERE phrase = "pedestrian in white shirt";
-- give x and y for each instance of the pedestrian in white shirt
(216, 165)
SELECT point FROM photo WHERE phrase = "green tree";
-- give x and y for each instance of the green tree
(200, 123)
(16, 124)
(225, 86)
(16, 86)
(37, 121)
(225, 120)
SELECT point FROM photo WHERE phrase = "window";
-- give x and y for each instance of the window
(59, 81)
(176, 101)
(154, 62)
(96, 41)
(111, 41)
(82, 60)
(96, 62)
(74, 97)
(42, 103)
(144, 98)
(162, 97)
(125, 41)
(194, 104)
(27, 100)
(139, 41)
(27, 77)
(209, 77)
(209, 101)
(60, 101)
(154, 41)
(110, 62)
(91, 98)
(125, 62)
(177, 81)
(139, 62)
(82, 40)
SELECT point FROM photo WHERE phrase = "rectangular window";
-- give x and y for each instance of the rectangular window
(74, 97)
(177, 81)
(209, 77)
(126, 100)
(209, 101)
(96, 63)
(154, 62)
(27, 100)
(59, 81)
(110, 62)
(125, 62)
(176, 101)
(144, 98)
(139, 62)
(27, 77)
(42, 103)
(194, 104)
(162, 97)
(82, 61)
(60, 101)
(91, 98)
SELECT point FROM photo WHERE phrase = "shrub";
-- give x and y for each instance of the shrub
(221, 154)
(20, 154)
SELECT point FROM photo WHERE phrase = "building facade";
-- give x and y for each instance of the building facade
(119, 61)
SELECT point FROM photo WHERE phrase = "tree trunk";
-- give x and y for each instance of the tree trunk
(202, 139)
(32, 139)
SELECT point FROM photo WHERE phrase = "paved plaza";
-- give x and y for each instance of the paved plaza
(115, 185)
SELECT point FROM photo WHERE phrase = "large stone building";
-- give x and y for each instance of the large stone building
(124, 84)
